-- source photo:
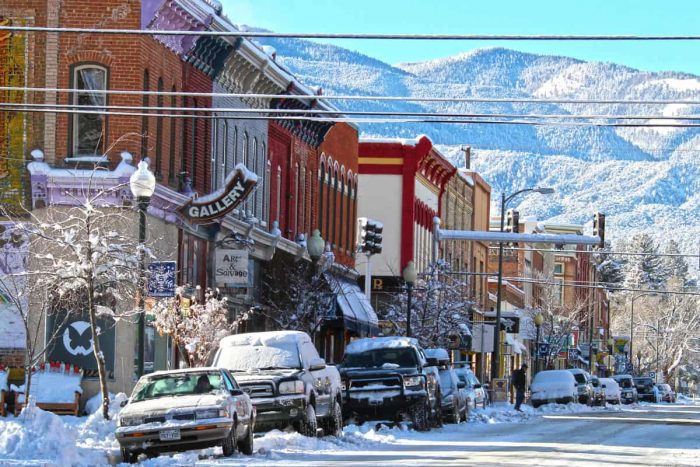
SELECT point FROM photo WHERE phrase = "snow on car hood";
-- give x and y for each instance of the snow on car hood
(245, 376)
(164, 404)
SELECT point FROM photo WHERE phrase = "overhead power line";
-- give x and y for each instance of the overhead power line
(600, 286)
(366, 97)
(590, 252)
(363, 36)
(157, 110)
(341, 119)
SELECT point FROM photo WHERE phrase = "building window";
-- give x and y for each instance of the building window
(144, 119)
(279, 192)
(322, 182)
(255, 162)
(265, 175)
(173, 129)
(193, 146)
(89, 133)
(302, 202)
(341, 216)
(159, 129)
(558, 269)
(334, 203)
(329, 207)
(350, 221)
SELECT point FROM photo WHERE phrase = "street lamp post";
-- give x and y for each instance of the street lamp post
(495, 363)
(539, 319)
(409, 276)
(316, 246)
(143, 184)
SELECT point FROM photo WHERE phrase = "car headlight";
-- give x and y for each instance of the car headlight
(291, 387)
(410, 381)
(130, 421)
(210, 413)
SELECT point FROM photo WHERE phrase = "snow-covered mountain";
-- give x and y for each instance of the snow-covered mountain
(644, 179)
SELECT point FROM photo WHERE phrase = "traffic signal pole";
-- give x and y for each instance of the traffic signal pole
(368, 277)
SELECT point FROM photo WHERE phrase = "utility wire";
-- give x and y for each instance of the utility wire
(157, 110)
(505, 100)
(590, 252)
(372, 36)
(600, 286)
(341, 119)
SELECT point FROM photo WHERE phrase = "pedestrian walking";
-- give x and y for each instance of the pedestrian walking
(519, 383)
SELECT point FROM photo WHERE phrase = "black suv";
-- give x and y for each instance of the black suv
(646, 389)
(390, 378)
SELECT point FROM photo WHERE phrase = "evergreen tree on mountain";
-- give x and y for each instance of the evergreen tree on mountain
(610, 267)
(674, 267)
(644, 271)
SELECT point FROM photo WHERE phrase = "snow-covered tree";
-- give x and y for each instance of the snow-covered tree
(644, 270)
(674, 267)
(610, 267)
(195, 326)
(440, 308)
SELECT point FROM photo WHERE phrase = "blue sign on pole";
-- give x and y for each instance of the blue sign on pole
(543, 349)
(573, 354)
(161, 279)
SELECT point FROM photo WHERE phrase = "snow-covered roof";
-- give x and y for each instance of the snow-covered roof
(364, 345)
(269, 338)
(404, 141)
(518, 347)
(438, 354)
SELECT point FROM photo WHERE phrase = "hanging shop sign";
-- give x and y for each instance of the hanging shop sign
(239, 184)
(232, 268)
(161, 279)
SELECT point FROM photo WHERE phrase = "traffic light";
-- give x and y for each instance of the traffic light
(371, 236)
(512, 221)
(599, 227)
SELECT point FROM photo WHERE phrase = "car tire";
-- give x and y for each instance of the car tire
(128, 457)
(245, 445)
(334, 423)
(308, 425)
(419, 416)
(229, 443)
(535, 404)
(455, 416)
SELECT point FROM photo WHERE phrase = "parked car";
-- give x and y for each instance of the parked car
(646, 389)
(611, 391)
(583, 382)
(289, 384)
(389, 378)
(553, 386)
(477, 395)
(598, 391)
(667, 393)
(629, 390)
(453, 403)
(186, 409)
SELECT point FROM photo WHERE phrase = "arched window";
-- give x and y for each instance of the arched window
(225, 145)
(350, 221)
(329, 206)
(279, 192)
(321, 185)
(296, 201)
(334, 213)
(193, 145)
(244, 154)
(159, 129)
(341, 216)
(173, 130)
(264, 177)
(302, 201)
(254, 168)
(89, 130)
(217, 141)
(144, 119)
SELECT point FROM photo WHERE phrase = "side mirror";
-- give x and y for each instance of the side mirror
(317, 364)
(236, 392)
(461, 385)
(477, 386)
(123, 403)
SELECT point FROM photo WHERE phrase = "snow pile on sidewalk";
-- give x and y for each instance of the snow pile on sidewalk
(505, 413)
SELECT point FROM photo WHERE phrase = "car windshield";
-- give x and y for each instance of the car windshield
(258, 357)
(403, 357)
(643, 382)
(625, 383)
(580, 378)
(178, 384)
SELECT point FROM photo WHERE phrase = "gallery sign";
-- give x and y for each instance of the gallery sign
(238, 186)
(232, 268)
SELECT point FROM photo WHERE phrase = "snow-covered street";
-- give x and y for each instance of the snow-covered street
(644, 434)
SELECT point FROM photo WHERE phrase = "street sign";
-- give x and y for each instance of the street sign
(573, 354)
(543, 349)
(652, 375)
(161, 281)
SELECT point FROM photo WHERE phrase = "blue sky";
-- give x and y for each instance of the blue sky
(640, 17)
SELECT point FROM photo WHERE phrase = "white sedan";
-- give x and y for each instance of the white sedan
(611, 390)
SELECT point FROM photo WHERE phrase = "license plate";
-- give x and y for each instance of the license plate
(170, 435)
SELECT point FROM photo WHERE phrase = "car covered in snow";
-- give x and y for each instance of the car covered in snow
(288, 382)
(646, 389)
(186, 409)
(390, 378)
(454, 403)
(553, 386)
(583, 383)
(627, 387)
(611, 390)
(598, 391)
(667, 393)
(477, 395)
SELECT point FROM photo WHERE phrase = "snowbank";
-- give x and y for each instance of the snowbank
(50, 387)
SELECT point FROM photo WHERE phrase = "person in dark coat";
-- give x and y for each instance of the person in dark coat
(519, 383)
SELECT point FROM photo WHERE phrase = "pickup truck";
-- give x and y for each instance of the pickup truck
(390, 378)
(289, 384)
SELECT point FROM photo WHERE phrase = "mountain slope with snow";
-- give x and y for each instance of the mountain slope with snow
(645, 179)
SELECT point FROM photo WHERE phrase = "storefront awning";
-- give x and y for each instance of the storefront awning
(357, 313)
(518, 347)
